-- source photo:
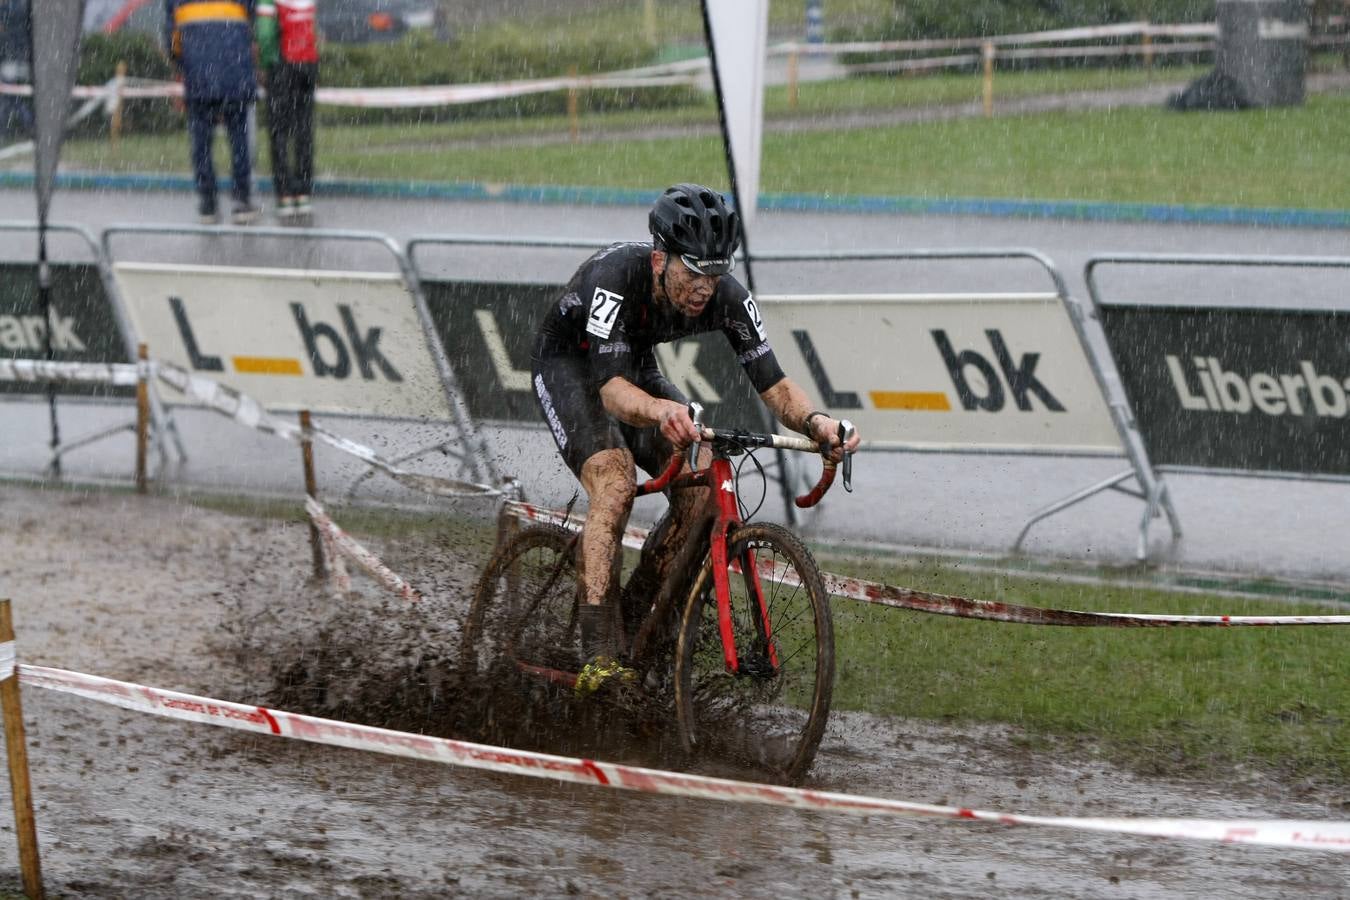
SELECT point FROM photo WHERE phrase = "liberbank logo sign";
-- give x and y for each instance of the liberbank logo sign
(1207, 385)
(1236, 389)
(336, 342)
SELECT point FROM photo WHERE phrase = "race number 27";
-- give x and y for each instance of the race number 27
(604, 310)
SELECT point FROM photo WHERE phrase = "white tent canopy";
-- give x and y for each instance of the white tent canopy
(738, 36)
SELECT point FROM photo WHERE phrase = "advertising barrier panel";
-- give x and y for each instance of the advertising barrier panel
(952, 372)
(84, 326)
(1254, 390)
(345, 343)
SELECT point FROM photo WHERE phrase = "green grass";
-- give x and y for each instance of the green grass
(885, 93)
(1292, 157)
(1168, 700)
(1281, 157)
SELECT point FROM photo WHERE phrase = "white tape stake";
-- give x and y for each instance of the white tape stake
(941, 604)
(7, 660)
(338, 579)
(1304, 835)
(349, 547)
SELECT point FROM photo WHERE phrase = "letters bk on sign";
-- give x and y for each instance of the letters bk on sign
(955, 372)
(344, 343)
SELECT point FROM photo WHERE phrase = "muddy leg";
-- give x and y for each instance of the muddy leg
(609, 479)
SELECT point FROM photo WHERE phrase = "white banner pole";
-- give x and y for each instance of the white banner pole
(737, 37)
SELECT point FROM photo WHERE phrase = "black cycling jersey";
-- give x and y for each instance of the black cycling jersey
(607, 324)
(607, 313)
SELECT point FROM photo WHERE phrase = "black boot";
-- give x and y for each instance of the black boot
(599, 647)
(597, 632)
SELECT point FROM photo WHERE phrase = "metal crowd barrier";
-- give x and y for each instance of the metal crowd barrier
(162, 419)
(469, 450)
(1125, 409)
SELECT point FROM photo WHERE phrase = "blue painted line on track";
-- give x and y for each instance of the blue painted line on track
(1265, 217)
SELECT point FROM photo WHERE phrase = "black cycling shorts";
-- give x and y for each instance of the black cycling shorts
(580, 426)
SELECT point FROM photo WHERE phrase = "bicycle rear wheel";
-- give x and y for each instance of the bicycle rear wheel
(771, 712)
(524, 607)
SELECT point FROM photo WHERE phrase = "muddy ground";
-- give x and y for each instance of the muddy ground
(162, 593)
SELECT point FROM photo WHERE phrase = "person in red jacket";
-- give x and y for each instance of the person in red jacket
(289, 52)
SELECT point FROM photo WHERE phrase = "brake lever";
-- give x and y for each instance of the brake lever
(846, 434)
(696, 414)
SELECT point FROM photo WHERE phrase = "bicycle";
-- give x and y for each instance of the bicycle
(753, 656)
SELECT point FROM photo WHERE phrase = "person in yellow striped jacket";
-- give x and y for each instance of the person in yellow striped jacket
(211, 44)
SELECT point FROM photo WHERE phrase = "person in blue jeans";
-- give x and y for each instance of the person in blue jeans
(16, 115)
(211, 44)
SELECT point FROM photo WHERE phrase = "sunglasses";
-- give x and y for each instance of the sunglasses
(716, 266)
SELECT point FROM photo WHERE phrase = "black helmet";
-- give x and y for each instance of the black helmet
(693, 222)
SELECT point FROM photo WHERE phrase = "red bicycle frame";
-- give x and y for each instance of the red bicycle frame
(721, 480)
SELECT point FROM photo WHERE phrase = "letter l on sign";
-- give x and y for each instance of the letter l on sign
(512, 379)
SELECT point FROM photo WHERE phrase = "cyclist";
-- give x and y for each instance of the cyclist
(608, 405)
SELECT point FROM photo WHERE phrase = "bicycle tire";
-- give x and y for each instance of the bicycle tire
(524, 606)
(773, 718)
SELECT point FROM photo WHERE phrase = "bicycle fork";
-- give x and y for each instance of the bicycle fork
(723, 484)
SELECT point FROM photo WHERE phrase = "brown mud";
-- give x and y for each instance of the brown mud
(158, 592)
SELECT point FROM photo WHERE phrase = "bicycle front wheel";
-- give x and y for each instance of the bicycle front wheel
(770, 712)
(524, 607)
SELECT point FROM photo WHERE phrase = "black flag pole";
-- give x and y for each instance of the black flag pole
(44, 275)
(53, 53)
(45, 301)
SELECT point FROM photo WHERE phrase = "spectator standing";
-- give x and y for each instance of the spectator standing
(288, 49)
(211, 43)
(16, 117)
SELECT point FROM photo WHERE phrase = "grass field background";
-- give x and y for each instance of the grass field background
(1163, 700)
(1288, 157)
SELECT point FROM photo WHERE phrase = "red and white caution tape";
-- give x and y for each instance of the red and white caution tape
(348, 546)
(1058, 35)
(238, 406)
(963, 607)
(993, 610)
(1294, 834)
(633, 535)
(247, 411)
(458, 94)
(42, 370)
(394, 97)
(427, 484)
